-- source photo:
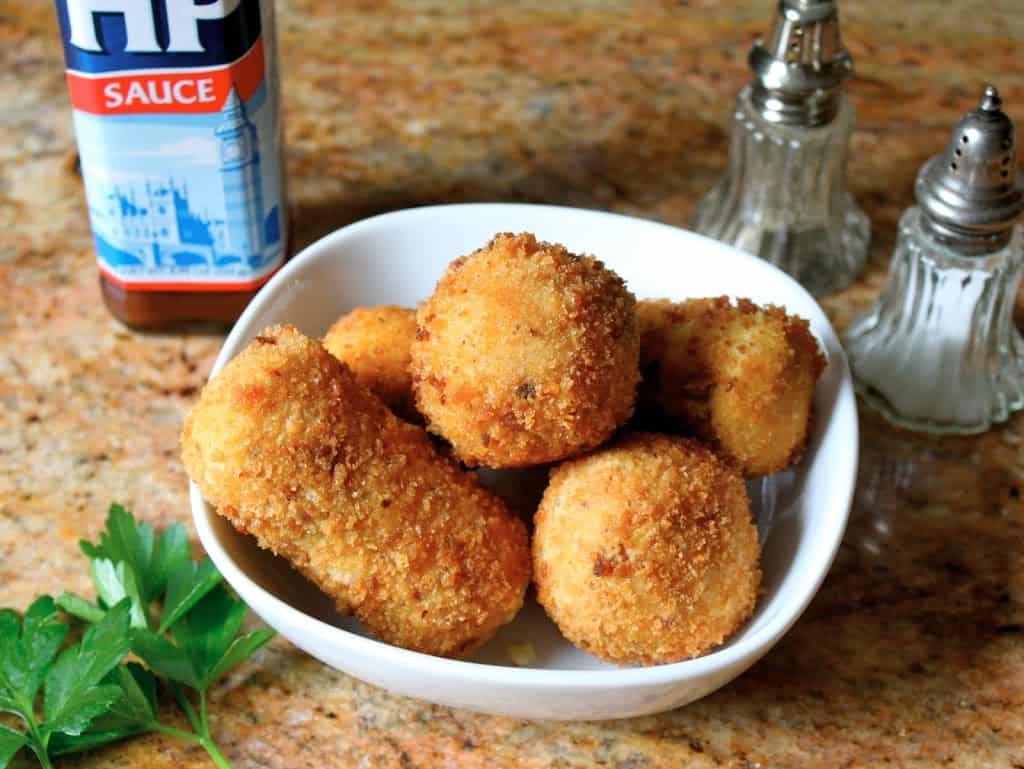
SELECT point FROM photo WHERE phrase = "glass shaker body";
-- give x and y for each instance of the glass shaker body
(784, 197)
(939, 352)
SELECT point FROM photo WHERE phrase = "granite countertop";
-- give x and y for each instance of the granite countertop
(911, 655)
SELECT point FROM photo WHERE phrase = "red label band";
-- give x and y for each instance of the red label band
(167, 91)
(202, 286)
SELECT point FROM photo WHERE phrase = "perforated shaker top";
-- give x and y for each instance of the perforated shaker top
(969, 194)
(800, 67)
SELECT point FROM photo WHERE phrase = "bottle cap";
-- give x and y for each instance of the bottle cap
(800, 67)
(969, 194)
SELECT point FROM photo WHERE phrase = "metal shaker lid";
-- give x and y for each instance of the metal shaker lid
(969, 194)
(800, 67)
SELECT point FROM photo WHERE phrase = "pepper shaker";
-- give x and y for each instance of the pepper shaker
(784, 195)
(939, 352)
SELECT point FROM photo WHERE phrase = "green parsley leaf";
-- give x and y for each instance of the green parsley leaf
(123, 541)
(78, 607)
(208, 630)
(139, 702)
(10, 629)
(26, 654)
(240, 650)
(90, 696)
(187, 585)
(196, 641)
(75, 693)
(207, 644)
(116, 582)
(149, 559)
(10, 743)
(83, 688)
(133, 712)
(78, 713)
(63, 744)
(164, 657)
(209, 634)
(172, 551)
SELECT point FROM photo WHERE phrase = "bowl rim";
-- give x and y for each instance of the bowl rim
(834, 512)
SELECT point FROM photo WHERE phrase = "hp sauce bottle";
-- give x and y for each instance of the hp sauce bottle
(178, 126)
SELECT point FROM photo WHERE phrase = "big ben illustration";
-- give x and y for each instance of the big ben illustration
(240, 174)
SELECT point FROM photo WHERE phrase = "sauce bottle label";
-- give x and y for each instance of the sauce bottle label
(177, 120)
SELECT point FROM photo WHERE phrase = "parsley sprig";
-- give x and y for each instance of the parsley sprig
(78, 686)
(154, 601)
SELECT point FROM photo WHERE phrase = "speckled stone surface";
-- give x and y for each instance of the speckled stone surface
(912, 654)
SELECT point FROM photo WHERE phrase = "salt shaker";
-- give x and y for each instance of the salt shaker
(784, 195)
(939, 352)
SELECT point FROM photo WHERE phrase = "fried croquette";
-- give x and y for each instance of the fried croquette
(525, 354)
(374, 343)
(644, 552)
(292, 449)
(740, 377)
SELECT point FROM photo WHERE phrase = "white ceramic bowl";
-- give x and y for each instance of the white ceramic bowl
(396, 258)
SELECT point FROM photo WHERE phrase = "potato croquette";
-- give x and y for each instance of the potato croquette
(374, 343)
(644, 552)
(741, 377)
(525, 354)
(290, 448)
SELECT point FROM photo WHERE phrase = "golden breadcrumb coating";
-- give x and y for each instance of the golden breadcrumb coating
(374, 343)
(644, 552)
(293, 450)
(740, 377)
(525, 354)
